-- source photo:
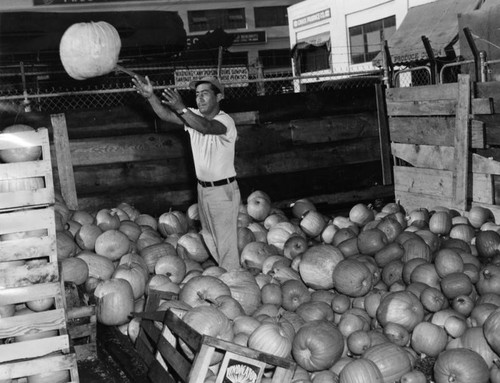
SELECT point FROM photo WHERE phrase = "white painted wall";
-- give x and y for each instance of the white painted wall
(345, 14)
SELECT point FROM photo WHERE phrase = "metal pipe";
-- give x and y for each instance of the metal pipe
(474, 50)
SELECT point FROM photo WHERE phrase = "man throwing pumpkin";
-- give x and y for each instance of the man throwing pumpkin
(213, 136)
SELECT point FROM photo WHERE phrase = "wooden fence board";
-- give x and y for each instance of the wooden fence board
(95, 151)
(422, 130)
(423, 181)
(412, 201)
(422, 108)
(426, 92)
(462, 140)
(333, 128)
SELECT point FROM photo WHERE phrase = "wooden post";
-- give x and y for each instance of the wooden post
(219, 63)
(64, 163)
(462, 143)
(383, 133)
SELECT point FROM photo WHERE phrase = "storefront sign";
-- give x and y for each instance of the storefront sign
(241, 38)
(230, 76)
(244, 38)
(313, 18)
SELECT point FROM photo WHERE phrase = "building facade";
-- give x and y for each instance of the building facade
(342, 36)
(259, 27)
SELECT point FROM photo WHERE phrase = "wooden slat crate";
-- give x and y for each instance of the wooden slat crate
(434, 130)
(170, 365)
(33, 333)
(34, 176)
(29, 272)
(82, 329)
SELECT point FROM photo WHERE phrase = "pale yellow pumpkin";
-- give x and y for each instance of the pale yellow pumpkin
(89, 49)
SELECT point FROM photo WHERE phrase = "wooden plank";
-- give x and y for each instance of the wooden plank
(423, 130)
(37, 366)
(489, 89)
(422, 108)
(492, 127)
(34, 291)
(332, 128)
(27, 248)
(34, 194)
(144, 147)
(201, 364)
(483, 188)
(32, 323)
(412, 201)
(481, 164)
(33, 348)
(482, 106)
(383, 133)
(64, 162)
(245, 118)
(423, 181)
(439, 182)
(441, 157)
(310, 157)
(426, 92)
(176, 360)
(462, 156)
(26, 274)
(94, 179)
(478, 138)
(425, 156)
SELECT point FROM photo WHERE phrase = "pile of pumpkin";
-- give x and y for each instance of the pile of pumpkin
(356, 298)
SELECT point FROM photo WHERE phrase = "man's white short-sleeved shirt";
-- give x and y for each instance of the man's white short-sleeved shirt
(214, 154)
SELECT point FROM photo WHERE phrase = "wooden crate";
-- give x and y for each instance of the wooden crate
(35, 176)
(167, 363)
(82, 329)
(434, 131)
(29, 272)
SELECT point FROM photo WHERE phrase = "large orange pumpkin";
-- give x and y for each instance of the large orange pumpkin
(402, 308)
(89, 49)
(317, 265)
(460, 365)
(20, 152)
(317, 345)
(352, 277)
(392, 360)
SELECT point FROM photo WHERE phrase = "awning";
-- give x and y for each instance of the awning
(314, 40)
(438, 21)
(484, 28)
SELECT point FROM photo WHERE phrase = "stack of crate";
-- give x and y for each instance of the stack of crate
(33, 343)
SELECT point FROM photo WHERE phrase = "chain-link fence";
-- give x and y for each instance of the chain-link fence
(38, 88)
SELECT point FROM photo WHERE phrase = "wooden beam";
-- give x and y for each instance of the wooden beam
(383, 131)
(462, 143)
(64, 162)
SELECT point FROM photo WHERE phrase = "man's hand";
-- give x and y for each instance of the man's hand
(173, 99)
(145, 89)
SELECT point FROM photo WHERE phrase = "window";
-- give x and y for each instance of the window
(365, 40)
(211, 19)
(314, 58)
(270, 16)
(275, 58)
